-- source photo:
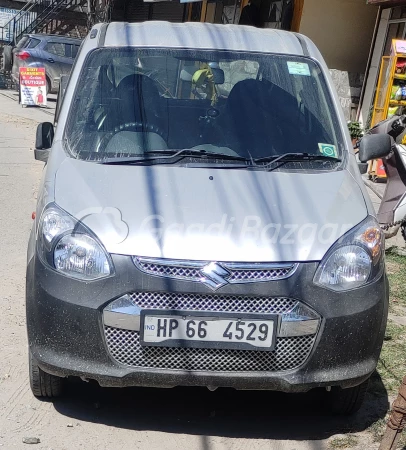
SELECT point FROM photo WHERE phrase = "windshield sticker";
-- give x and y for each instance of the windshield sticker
(328, 150)
(297, 68)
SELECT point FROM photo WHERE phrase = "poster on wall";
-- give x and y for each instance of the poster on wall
(33, 86)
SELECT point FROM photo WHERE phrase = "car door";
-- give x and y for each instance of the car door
(66, 61)
(57, 58)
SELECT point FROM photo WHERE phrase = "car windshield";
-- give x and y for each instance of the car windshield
(132, 102)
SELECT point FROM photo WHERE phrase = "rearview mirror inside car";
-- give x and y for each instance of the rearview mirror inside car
(188, 72)
(43, 141)
(374, 146)
(218, 75)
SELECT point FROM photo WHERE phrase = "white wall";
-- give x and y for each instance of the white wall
(342, 30)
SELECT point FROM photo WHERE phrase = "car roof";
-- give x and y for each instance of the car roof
(201, 36)
(53, 36)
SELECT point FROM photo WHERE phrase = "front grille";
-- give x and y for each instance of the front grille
(171, 271)
(125, 348)
(259, 275)
(212, 302)
(191, 271)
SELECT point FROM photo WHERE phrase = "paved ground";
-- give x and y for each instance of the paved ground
(91, 418)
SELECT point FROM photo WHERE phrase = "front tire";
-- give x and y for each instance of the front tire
(346, 401)
(48, 86)
(43, 384)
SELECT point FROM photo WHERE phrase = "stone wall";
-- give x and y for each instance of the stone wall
(348, 87)
(236, 71)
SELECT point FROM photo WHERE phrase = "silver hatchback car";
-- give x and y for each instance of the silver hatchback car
(202, 220)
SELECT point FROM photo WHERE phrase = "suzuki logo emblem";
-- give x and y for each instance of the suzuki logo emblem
(214, 275)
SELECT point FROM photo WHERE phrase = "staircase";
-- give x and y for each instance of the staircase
(36, 16)
(33, 17)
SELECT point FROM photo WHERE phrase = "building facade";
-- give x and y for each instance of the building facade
(390, 24)
(68, 17)
(342, 30)
(352, 35)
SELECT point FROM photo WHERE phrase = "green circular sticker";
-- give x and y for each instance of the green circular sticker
(328, 150)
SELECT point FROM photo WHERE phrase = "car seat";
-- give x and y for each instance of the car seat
(257, 118)
(138, 117)
(139, 103)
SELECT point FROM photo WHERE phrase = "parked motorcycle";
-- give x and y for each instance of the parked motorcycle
(392, 211)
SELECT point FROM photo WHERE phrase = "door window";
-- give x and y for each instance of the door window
(63, 50)
(22, 42)
(75, 49)
(56, 48)
(32, 43)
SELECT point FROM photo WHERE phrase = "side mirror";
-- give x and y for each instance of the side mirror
(43, 141)
(363, 168)
(374, 146)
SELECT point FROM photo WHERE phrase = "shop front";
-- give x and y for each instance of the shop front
(341, 29)
(279, 14)
(141, 11)
(390, 25)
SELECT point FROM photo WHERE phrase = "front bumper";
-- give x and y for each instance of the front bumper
(67, 335)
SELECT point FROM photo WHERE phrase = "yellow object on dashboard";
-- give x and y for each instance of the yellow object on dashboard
(205, 77)
(200, 76)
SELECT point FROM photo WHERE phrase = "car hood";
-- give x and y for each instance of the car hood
(210, 214)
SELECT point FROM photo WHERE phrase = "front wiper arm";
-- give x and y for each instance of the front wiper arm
(274, 159)
(296, 157)
(292, 157)
(180, 153)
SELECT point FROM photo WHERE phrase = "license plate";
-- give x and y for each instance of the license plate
(211, 330)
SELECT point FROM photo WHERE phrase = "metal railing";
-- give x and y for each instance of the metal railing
(31, 18)
(7, 28)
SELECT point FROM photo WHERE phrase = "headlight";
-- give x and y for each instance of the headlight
(354, 260)
(69, 247)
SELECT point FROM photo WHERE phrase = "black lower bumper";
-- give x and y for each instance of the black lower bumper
(108, 375)
(66, 337)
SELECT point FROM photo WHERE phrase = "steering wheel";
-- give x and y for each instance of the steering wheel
(130, 126)
(139, 126)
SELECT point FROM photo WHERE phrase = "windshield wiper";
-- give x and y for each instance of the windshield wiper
(171, 154)
(296, 157)
(293, 157)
